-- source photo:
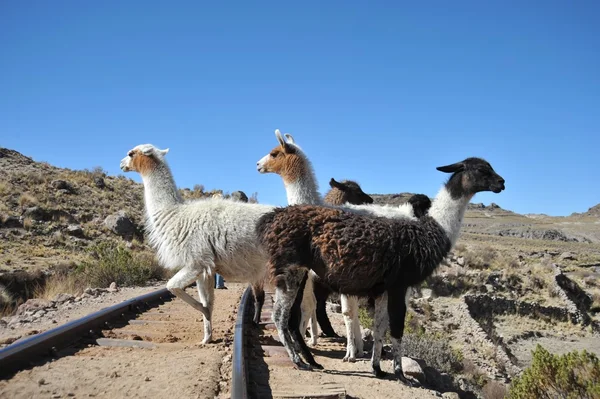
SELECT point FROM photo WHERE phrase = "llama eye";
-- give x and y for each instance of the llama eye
(274, 154)
(130, 153)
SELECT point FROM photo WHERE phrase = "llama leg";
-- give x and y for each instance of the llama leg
(285, 294)
(321, 294)
(176, 285)
(380, 325)
(314, 329)
(296, 315)
(349, 306)
(259, 300)
(309, 304)
(206, 293)
(358, 341)
(397, 314)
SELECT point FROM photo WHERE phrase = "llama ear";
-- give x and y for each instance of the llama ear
(284, 146)
(163, 152)
(147, 150)
(279, 138)
(335, 184)
(289, 138)
(455, 167)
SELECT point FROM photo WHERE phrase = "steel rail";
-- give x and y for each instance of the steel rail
(239, 376)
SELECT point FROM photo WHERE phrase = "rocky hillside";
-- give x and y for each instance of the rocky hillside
(50, 215)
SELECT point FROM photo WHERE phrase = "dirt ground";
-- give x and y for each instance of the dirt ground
(74, 310)
(178, 367)
(353, 379)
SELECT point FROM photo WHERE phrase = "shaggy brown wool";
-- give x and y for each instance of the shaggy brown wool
(353, 254)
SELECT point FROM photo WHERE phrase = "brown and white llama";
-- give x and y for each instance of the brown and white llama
(367, 256)
(290, 162)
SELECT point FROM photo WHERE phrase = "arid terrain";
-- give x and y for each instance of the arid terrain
(512, 281)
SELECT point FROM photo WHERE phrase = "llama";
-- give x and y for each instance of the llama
(346, 191)
(202, 237)
(367, 256)
(420, 204)
(290, 162)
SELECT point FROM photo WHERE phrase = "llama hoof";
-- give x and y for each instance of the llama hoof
(317, 366)
(302, 366)
(312, 343)
(206, 340)
(377, 372)
(403, 380)
(350, 359)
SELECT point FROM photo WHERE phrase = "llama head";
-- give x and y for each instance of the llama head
(420, 204)
(287, 159)
(471, 176)
(346, 191)
(143, 159)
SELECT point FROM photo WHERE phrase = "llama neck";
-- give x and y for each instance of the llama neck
(303, 188)
(303, 191)
(160, 190)
(449, 212)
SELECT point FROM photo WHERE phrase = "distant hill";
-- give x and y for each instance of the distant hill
(401, 198)
(593, 211)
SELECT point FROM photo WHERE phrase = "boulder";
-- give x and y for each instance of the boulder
(112, 287)
(62, 298)
(120, 224)
(38, 214)
(412, 368)
(75, 230)
(32, 305)
(99, 182)
(62, 185)
(239, 196)
(568, 256)
(12, 222)
(450, 395)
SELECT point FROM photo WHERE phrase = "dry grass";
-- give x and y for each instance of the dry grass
(27, 200)
(5, 188)
(473, 373)
(494, 390)
(58, 284)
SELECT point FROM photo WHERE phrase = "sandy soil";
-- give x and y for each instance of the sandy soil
(178, 367)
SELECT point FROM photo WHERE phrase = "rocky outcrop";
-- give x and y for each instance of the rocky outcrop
(239, 196)
(121, 225)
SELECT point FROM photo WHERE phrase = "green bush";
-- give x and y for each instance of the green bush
(572, 375)
(111, 262)
(365, 319)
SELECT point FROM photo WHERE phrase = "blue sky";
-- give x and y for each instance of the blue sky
(381, 92)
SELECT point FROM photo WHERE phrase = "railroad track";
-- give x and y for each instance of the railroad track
(147, 346)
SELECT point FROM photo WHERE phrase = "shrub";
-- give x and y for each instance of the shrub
(480, 258)
(572, 375)
(494, 390)
(111, 262)
(253, 198)
(365, 318)
(434, 350)
(5, 188)
(26, 199)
